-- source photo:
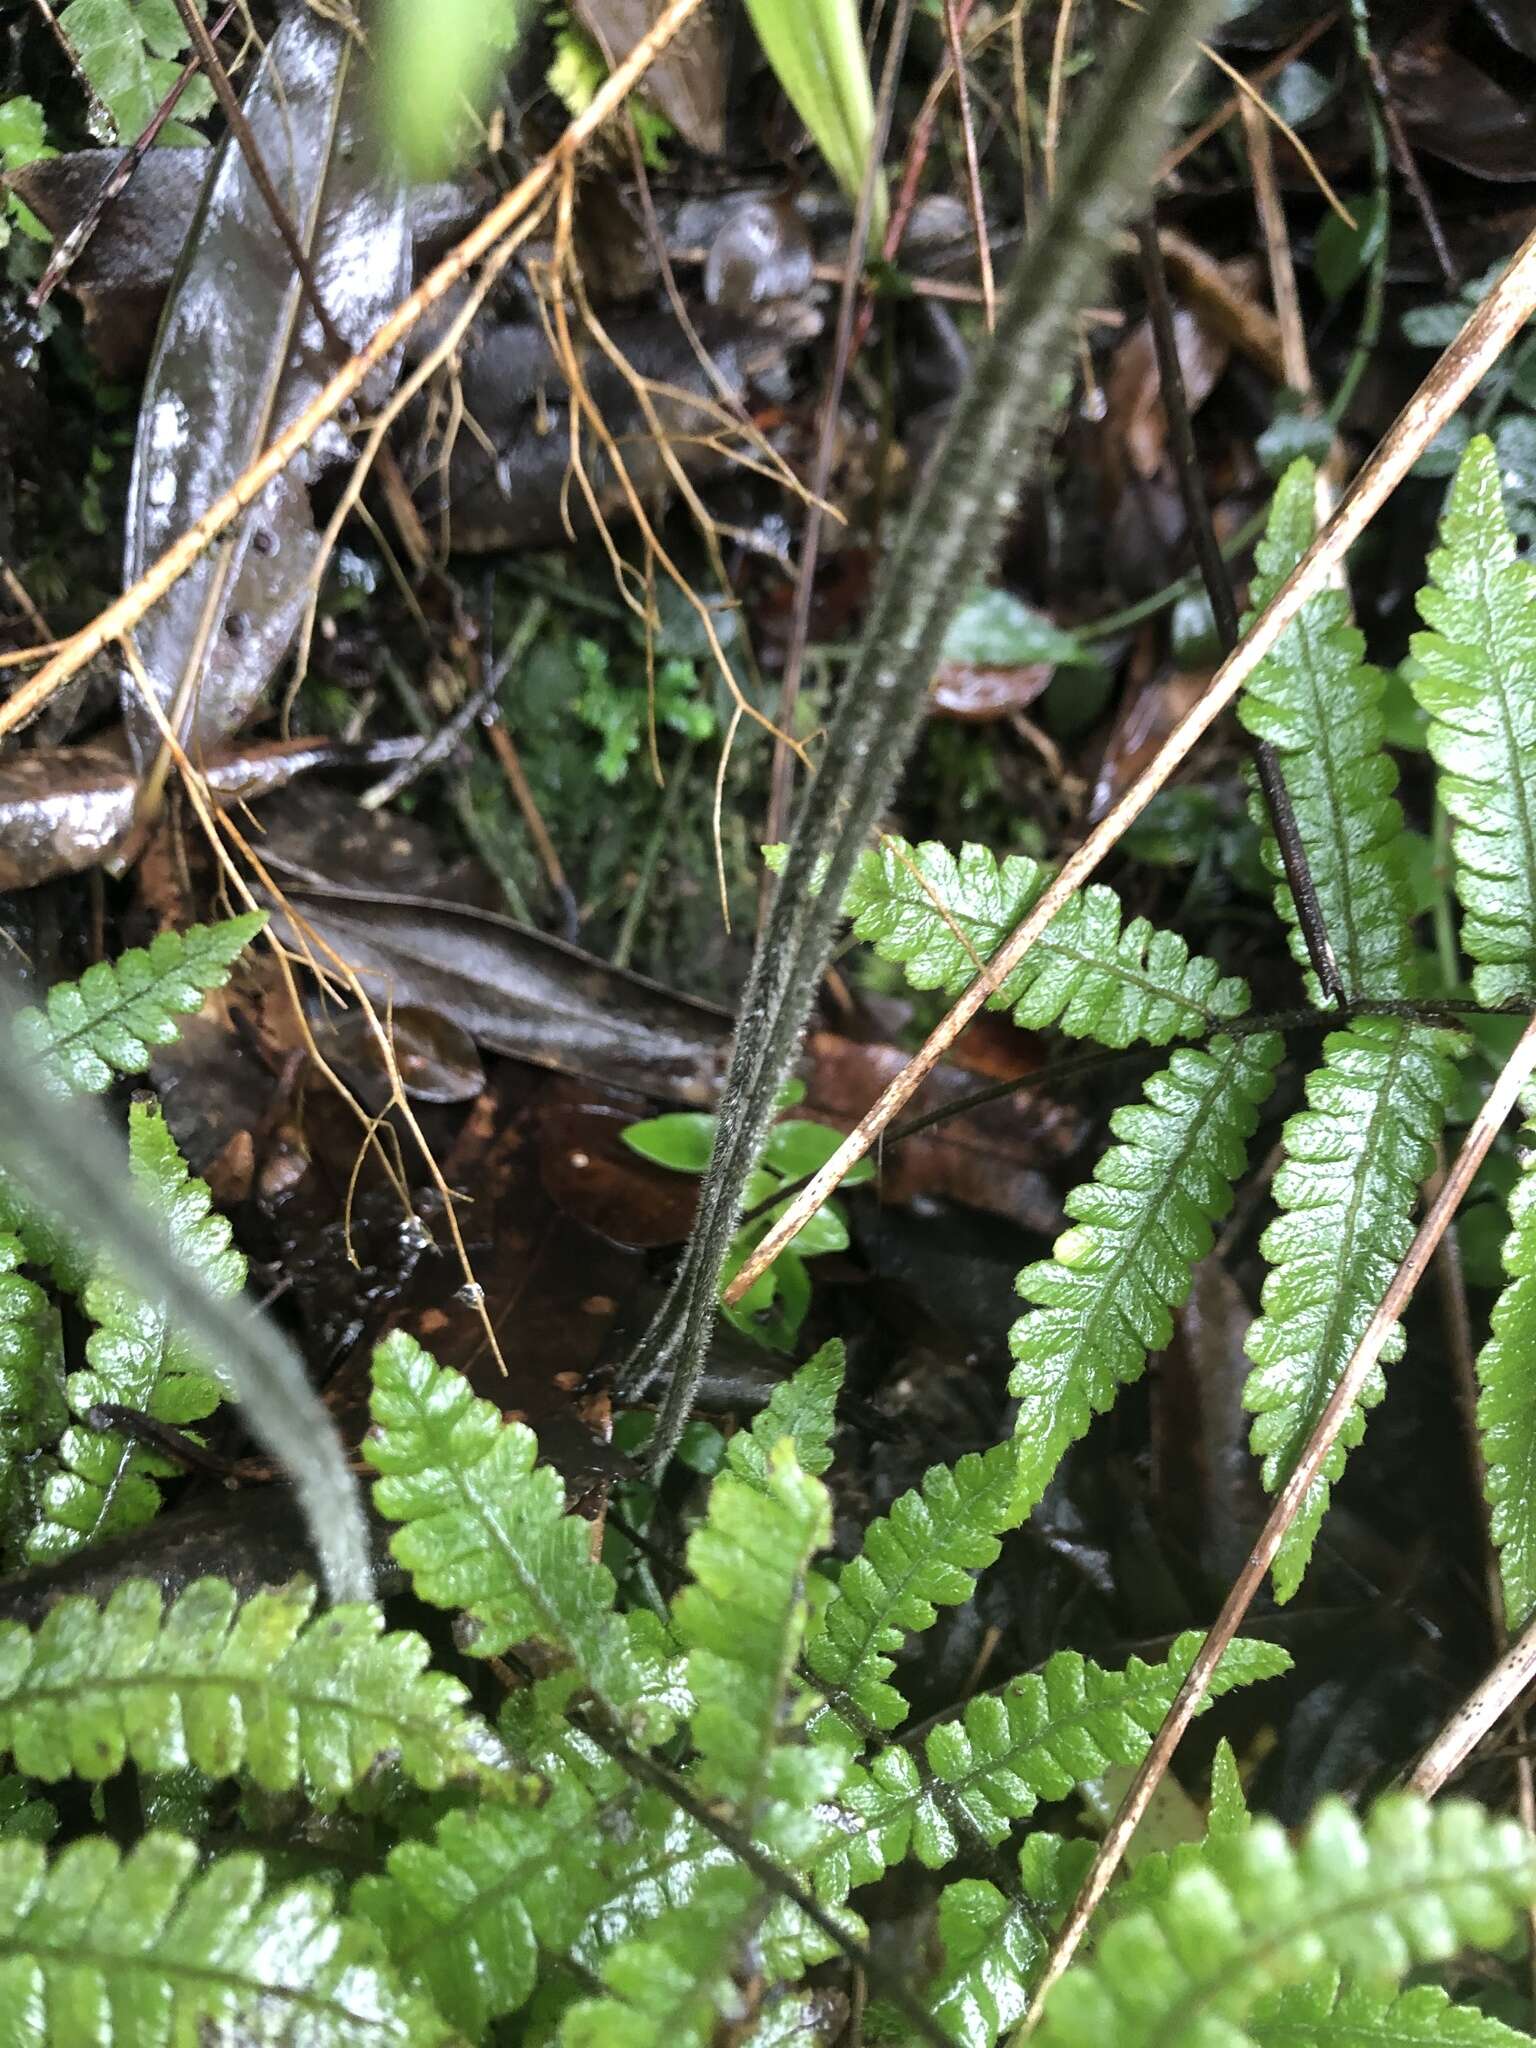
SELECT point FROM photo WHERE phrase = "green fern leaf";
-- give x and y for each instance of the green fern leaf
(1320, 704)
(994, 1945)
(921, 1556)
(1142, 1222)
(110, 1020)
(1506, 1403)
(1354, 1161)
(742, 1621)
(801, 1409)
(672, 1989)
(136, 1358)
(1251, 1914)
(32, 1407)
(941, 916)
(1321, 2014)
(1474, 672)
(265, 1688)
(1039, 1737)
(464, 1916)
(148, 1951)
(484, 1529)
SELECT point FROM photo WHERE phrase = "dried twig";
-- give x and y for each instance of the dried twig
(1480, 343)
(1499, 1691)
(123, 615)
(1288, 1502)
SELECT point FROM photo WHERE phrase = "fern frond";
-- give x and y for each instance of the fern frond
(994, 1944)
(1036, 1739)
(1323, 2013)
(1104, 1298)
(31, 1375)
(110, 1020)
(148, 1951)
(672, 1988)
(484, 1529)
(1319, 703)
(1354, 1161)
(801, 1409)
(1474, 672)
(1506, 1403)
(918, 1558)
(941, 916)
(742, 1623)
(465, 1915)
(136, 1358)
(266, 1688)
(1251, 1914)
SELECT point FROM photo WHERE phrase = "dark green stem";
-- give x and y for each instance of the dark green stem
(948, 542)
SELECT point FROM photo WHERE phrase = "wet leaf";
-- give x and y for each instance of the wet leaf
(998, 656)
(519, 992)
(239, 355)
(1458, 113)
(1513, 20)
(66, 809)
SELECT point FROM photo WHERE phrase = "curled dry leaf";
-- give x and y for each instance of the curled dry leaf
(240, 355)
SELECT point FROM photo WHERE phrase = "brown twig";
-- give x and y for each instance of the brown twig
(1480, 343)
(125, 613)
(1288, 1503)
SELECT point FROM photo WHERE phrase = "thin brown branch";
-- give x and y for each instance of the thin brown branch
(1288, 1503)
(124, 614)
(1480, 343)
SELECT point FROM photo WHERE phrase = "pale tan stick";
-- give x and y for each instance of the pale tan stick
(1490, 1119)
(1277, 246)
(1499, 1691)
(972, 168)
(123, 615)
(1495, 323)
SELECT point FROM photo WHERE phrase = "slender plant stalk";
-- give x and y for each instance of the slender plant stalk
(947, 544)
(1487, 333)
